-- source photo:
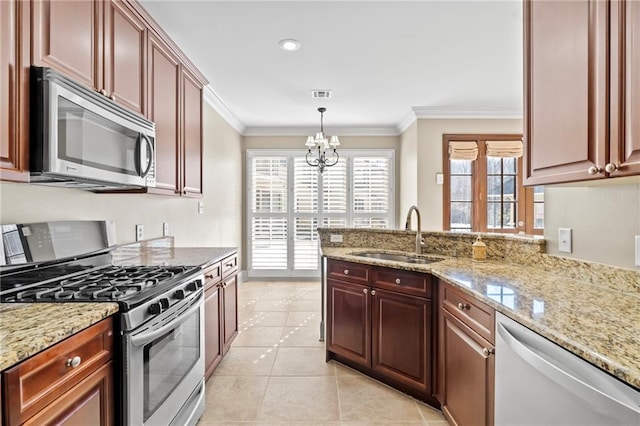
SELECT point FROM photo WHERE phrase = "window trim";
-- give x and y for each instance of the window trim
(479, 187)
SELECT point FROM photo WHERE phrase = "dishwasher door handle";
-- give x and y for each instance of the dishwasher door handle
(550, 369)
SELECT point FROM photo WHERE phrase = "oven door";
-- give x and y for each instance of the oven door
(164, 368)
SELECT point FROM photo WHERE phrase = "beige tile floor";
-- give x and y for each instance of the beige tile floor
(276, 374)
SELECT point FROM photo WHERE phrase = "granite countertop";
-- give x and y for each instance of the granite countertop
(28, 328)
(595, 322)
(171, 256)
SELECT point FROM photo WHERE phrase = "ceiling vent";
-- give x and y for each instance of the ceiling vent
(321, 94)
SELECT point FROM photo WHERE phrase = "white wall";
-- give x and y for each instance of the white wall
(408, 171)
(430, 160)
(220, 225)
(604, 220)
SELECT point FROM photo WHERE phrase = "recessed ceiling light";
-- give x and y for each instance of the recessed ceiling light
(289, 44)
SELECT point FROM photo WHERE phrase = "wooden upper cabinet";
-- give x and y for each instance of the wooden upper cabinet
(67, 36)
(582, 90)
(164, 100)
(565, 126)
(191, 134)
(14, 79)
(625, 89)
(125, 44)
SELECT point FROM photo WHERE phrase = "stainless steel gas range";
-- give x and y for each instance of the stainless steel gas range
(161, 313)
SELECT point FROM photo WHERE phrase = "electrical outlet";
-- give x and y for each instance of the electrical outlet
(200, 207)
(165, 229)
(637, 250)
(139, 232)
(564, 240)
(335, 238)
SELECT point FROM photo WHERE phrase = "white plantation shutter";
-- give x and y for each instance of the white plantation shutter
(288, 200)
(371, 192)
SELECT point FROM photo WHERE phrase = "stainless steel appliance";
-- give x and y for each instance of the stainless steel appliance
(161, 312)
(82, 139)
(539, 383)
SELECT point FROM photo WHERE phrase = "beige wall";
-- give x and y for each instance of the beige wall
(408, 171)
(429, 158)
(604, 220)
(220, 225)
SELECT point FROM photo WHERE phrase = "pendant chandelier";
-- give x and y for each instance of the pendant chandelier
(322, 144)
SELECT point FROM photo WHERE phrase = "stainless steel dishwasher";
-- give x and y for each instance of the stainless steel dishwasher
(539, 383)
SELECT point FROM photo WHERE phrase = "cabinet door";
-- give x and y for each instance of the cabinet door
(164, 74)
(13, 141)
(468, 374)
(67, 36)
(230, 311)
(212, 341)
(349, 321)
(125, 56)
(625, 87)
(402, 338)
(191, 135)
(90, 402)
(565, 126)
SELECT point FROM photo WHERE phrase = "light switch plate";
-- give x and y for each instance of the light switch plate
(200, 207)
(439, 179)
(564, 240)
(165, 229)
(139, 232)
(637, 250)
(335, 238)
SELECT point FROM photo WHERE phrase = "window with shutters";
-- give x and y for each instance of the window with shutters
(483, 189)
(289, 200)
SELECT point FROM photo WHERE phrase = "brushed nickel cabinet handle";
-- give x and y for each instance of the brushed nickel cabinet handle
(611, 167)
(74, 362)
(346, 272)
(209, 276)
(487, 351)
(397, 280)
(373, 292)
(364, 290)
(463, 306)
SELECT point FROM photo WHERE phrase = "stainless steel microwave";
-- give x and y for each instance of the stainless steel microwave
(82, 139)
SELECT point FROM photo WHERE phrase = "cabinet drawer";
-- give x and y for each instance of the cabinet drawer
(35, 383)
(212, 275)
(475, 314)
(402, 281)
(347, 271)
(229, 265)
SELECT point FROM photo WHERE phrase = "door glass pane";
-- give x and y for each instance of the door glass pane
(538, 207)
(493, 215)
(167, 360)
(494, 188)
(370, 185)
(494, 166)
(460, 216)
(460, 167)
(269, 185)
(509, 188)
(460, 188)
(509, 165)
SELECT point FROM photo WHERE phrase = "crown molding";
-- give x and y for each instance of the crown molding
(406, 122)
(307, 131)
(215, 101)
(438, 112)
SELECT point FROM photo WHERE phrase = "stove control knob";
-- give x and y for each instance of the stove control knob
(155, 308)
(164, 302)
(199, 283)
(192, 286)
(179, 294)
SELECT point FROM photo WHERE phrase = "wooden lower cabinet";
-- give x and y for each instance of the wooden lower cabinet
(69, 383)
(229, 311)
(212, 341)
(349, 321)
(401, 341)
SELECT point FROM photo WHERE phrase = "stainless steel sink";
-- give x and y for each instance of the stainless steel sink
(396, 257)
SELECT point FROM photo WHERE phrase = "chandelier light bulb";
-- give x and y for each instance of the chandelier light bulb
(323, 143)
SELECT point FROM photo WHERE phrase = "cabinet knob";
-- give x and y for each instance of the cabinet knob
(74, 362)
(373, 292)
(397, 280)
(487, 351)
(184, 191)
(463, 306)
(611, 167)
(112, 97)
(103, 92)
(209, 276)
(365, 291)
(346, 272)
(593, 170)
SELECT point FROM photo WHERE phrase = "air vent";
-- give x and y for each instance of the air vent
(321, 94)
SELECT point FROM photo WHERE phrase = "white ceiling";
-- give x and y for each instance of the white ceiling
(385, 61)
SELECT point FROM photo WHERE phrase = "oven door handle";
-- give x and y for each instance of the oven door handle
(144, 338)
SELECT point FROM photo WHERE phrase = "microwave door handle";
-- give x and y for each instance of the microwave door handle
(144, 338)
(149, 147)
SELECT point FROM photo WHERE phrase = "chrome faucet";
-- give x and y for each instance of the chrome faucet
(419, 241)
